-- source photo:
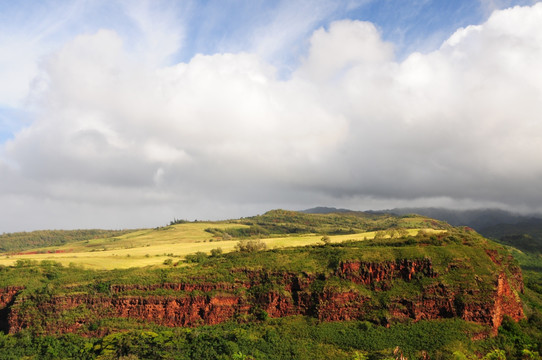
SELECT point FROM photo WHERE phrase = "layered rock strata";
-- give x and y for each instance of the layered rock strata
(260, 293)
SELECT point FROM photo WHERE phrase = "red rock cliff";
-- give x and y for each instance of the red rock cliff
(281, 294)
(7, 298)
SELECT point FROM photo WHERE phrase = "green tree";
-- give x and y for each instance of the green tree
(495, 355)
(216, 252)
(326, 239)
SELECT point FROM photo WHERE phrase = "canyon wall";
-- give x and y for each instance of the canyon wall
(259, 293)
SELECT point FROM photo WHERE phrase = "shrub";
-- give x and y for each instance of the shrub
(199, 257)
(495, 355)
(216, 252)
(250, 246)
(103, 287)
(261, 314)
(178, 221)
(25, 263)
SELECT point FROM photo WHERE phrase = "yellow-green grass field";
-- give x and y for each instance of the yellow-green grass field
(153, 246)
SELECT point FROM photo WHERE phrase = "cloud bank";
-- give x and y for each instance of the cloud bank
(118, 140)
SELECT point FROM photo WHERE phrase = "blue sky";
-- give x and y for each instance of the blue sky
(210, 27)
(113, 110)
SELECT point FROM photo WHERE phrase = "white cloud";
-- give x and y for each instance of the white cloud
(351, 126)
(346, 44)
(23, 46)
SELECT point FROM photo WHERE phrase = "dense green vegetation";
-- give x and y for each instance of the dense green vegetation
(287, 338)
(30, 240)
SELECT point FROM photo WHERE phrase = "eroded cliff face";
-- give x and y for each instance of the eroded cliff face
(8, 294)
(7, 298)
(378, 275)
(355, 290)
(507, 302)
(443, 302)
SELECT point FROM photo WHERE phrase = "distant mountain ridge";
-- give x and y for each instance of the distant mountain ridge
(521, 231)
(325, 210)
(475, 218)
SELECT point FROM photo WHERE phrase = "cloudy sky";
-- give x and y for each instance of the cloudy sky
(120, 114)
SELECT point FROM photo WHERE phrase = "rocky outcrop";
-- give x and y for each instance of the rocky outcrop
(258, 293)
(7, 295)
(506, 303)
(162, 310)
(437, 302)
(342, 306)
(206, 287)
(379, 275)
(7, 298)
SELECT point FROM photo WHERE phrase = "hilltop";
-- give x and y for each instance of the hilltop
(123, 249)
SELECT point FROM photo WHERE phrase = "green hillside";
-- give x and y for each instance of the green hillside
(12, 242)
(277, 228)
(291, 285)
(525, 235)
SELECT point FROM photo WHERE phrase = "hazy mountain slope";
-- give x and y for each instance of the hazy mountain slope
(526, 235)
(477, 219)
(521, 231)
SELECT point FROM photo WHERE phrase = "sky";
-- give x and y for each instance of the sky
(128, 114)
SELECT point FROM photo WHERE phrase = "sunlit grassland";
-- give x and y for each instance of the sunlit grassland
(153, 246)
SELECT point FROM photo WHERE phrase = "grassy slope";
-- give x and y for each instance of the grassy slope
(153, 246)
(19, 241)
(442, 248)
